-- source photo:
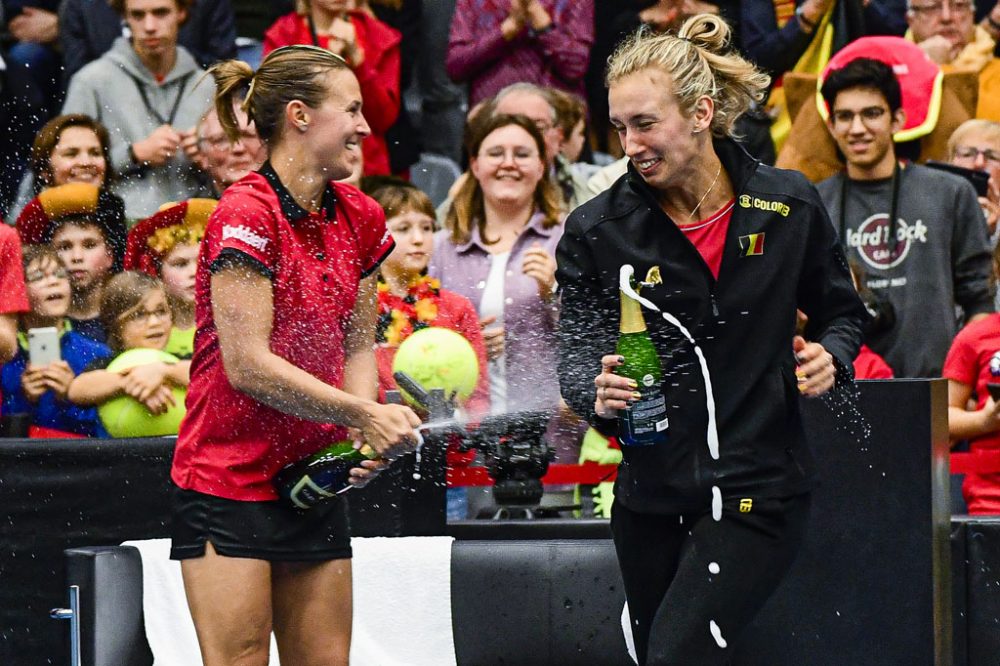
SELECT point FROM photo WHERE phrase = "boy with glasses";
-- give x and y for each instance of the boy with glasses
(42, 391)
(918, 233)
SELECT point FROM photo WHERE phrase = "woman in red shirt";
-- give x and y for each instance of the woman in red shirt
(283, 365)
(371, 49)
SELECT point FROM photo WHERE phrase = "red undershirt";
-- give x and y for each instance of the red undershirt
(709, 236)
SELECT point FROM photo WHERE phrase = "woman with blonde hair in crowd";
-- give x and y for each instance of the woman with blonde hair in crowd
(283, 366)
(712, 496)
(371, 50)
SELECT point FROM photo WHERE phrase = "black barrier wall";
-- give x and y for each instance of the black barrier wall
(872, 585)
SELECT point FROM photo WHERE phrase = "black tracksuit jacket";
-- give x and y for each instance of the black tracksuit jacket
(781, 253)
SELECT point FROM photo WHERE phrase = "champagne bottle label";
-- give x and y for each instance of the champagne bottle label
(320, 476)
(645, 422)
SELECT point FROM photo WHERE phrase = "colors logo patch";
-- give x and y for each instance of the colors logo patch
(752, 245)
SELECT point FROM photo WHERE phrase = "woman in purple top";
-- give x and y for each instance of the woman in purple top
(498, 250)
(494, 43)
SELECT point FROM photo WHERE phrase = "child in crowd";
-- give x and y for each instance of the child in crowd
(42, 391)
(86, 226)
(166, 246)
(409, 300)
(972, 364)
(135, 312)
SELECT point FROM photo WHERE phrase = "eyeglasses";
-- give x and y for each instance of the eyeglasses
(971, 153)
(519, 157)
(869, 115)
(37, 275)
(960, 7)
(161, 313)
(222, 141)
(542, 125)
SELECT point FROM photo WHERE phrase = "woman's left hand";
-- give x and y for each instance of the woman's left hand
(541, 266)
(816, 371)
(367, 470)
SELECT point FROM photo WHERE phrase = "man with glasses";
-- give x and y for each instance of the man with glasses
(947, 33)
(537, 104)
(222, 161)
(917, 233)
(976, 145)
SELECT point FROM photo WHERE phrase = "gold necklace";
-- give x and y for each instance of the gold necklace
(705, 195)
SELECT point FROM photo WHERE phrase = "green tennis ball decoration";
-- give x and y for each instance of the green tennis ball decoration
(438, 358)
(127, 417)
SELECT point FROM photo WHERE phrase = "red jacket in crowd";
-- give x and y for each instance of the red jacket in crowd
(378, 74)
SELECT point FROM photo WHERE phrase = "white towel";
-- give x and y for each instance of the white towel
(402, 604)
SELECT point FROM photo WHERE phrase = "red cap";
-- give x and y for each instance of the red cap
(919, 80)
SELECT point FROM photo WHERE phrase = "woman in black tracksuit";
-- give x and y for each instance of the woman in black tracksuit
(707, 522)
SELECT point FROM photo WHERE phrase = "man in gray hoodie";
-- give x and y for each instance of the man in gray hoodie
(149, 92)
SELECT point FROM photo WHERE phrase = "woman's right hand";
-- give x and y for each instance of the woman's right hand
(390, 429)
(614, 392)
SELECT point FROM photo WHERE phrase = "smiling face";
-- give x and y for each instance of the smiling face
(656, 136)
(862, 125)
(413, 232)
(177, 271)
(508, 166)
(84, 253)
(148, 324)
(227, 162)
(336, 129)
(155, 25)
(48, 288)
(77, 158)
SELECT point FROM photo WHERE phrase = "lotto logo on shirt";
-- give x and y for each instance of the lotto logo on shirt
(871, 240)
(244, 234)
(995, 364)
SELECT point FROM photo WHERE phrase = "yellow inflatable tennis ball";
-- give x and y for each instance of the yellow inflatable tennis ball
(125, 416)
(438, 358)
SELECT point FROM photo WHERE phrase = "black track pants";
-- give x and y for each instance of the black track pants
(667, 564)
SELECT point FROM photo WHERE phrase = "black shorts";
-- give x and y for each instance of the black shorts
(270, 530)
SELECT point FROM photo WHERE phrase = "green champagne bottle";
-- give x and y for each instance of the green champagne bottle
(645, 422)
(322, 475)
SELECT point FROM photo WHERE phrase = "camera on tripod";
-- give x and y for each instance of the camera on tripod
(513, 447)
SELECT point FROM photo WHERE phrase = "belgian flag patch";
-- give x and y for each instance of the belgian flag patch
(752, 245)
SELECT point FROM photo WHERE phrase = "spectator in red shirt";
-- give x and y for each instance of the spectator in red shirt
(371, 50)
(973, 362)
(283, 365)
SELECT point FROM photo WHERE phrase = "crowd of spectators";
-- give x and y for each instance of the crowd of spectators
(113, 161)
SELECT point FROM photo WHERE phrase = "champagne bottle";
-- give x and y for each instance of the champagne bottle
(322, 475)
(644, 423)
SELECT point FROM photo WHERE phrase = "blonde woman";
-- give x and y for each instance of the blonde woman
(709, 515)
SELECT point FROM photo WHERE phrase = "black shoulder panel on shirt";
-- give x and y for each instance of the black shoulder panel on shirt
(230, 257)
